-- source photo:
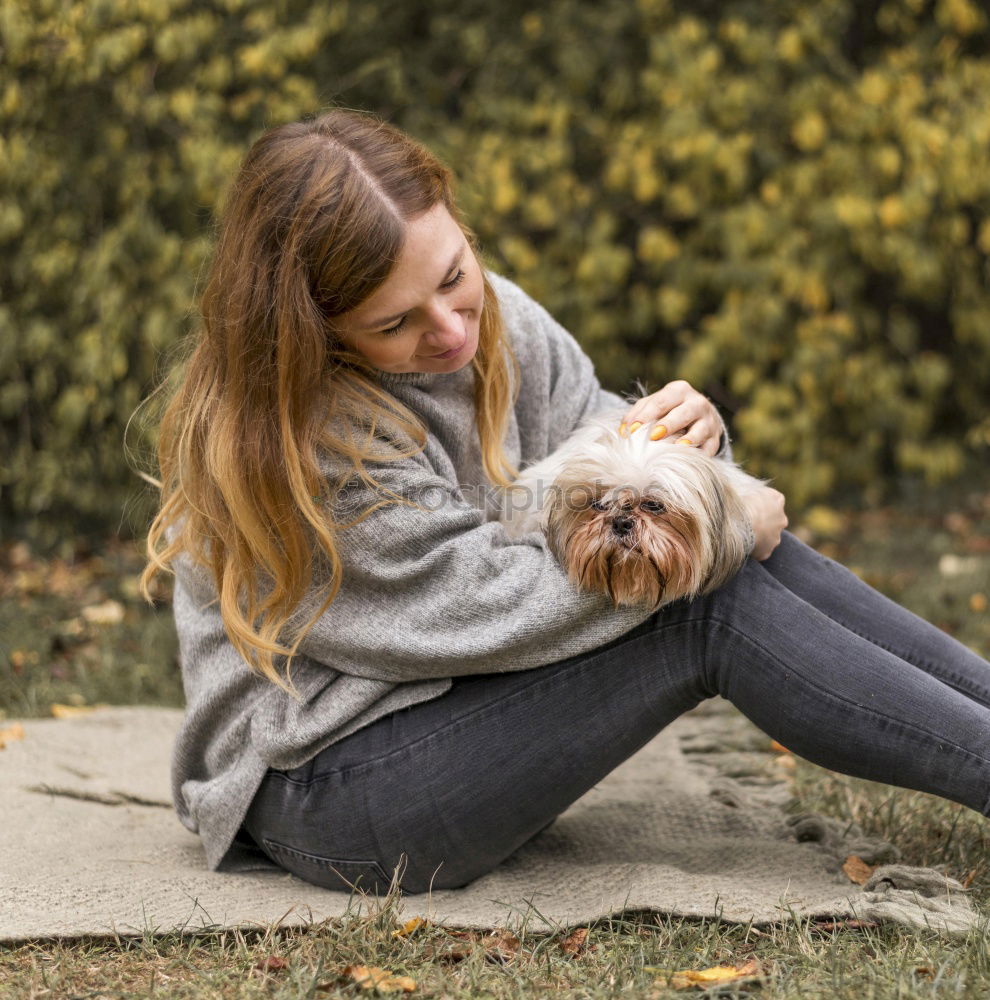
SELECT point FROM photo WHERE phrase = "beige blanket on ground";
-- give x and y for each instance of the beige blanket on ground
(692, 825)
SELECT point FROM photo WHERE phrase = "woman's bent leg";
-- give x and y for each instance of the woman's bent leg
(840, 594)
(453, 786)
(458, 783)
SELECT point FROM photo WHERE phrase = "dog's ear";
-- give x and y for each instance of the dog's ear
(728, 539)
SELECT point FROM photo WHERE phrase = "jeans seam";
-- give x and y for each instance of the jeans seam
(962, 751)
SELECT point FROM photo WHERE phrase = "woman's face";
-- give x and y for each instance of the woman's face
(429, 306)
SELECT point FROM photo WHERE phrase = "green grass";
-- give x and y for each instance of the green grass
(50, 652)
(622, 958)
(931, 553)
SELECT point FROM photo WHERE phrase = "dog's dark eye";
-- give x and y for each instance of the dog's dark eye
(652, 507)
(600, 504)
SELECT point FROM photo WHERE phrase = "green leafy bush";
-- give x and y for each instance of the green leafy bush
(786, 203)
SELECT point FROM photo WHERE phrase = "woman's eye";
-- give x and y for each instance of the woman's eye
(390, 331)
(652, 507)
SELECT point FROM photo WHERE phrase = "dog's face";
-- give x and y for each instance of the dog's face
(644, 522)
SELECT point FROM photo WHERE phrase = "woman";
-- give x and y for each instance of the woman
(376, 677)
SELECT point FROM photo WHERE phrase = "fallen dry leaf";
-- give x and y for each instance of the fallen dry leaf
(952, 565)
(450, 952)
(409, 927)
(72, 628)
(29, 581)
(778, 747)
(273, 963)
(958, 523)
(19, 555)
(575, 942)
(978, 603)
(62, 579)
(824, 521)
(500, 945)
(370, 977)
(71, 711)
(108, 613)
(857, 869)
(10, 734)
(447, 953)
(686, 979)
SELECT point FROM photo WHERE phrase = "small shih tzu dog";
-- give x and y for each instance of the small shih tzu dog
(645, 522)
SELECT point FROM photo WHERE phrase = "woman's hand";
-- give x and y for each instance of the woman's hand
(766, 511)
(679, 410)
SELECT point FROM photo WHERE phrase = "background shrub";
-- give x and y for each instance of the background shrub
(787, 203)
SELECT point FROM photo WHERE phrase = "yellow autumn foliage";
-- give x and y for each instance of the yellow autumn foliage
(787, 204)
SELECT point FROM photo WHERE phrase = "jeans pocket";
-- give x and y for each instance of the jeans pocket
(330, 873)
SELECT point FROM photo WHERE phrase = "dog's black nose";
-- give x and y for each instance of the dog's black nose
(622, 525)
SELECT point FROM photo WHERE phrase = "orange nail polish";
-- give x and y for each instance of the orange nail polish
(658, 432)
(622, 429)
(635, 427)
(686, 441)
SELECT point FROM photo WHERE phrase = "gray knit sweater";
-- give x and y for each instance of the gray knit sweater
(425, 595)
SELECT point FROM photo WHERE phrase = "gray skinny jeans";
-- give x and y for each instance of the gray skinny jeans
(812, 655)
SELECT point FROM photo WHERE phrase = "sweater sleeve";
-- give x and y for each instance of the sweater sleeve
(439, 592)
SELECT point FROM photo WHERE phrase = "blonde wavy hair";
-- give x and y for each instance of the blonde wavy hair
(312, 225)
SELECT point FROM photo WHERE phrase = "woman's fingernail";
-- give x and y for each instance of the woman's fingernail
(622, 429)
(635, 427)
(658, 432)
(686, 441)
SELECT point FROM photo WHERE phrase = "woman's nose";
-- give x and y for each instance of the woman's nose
(446, 324)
